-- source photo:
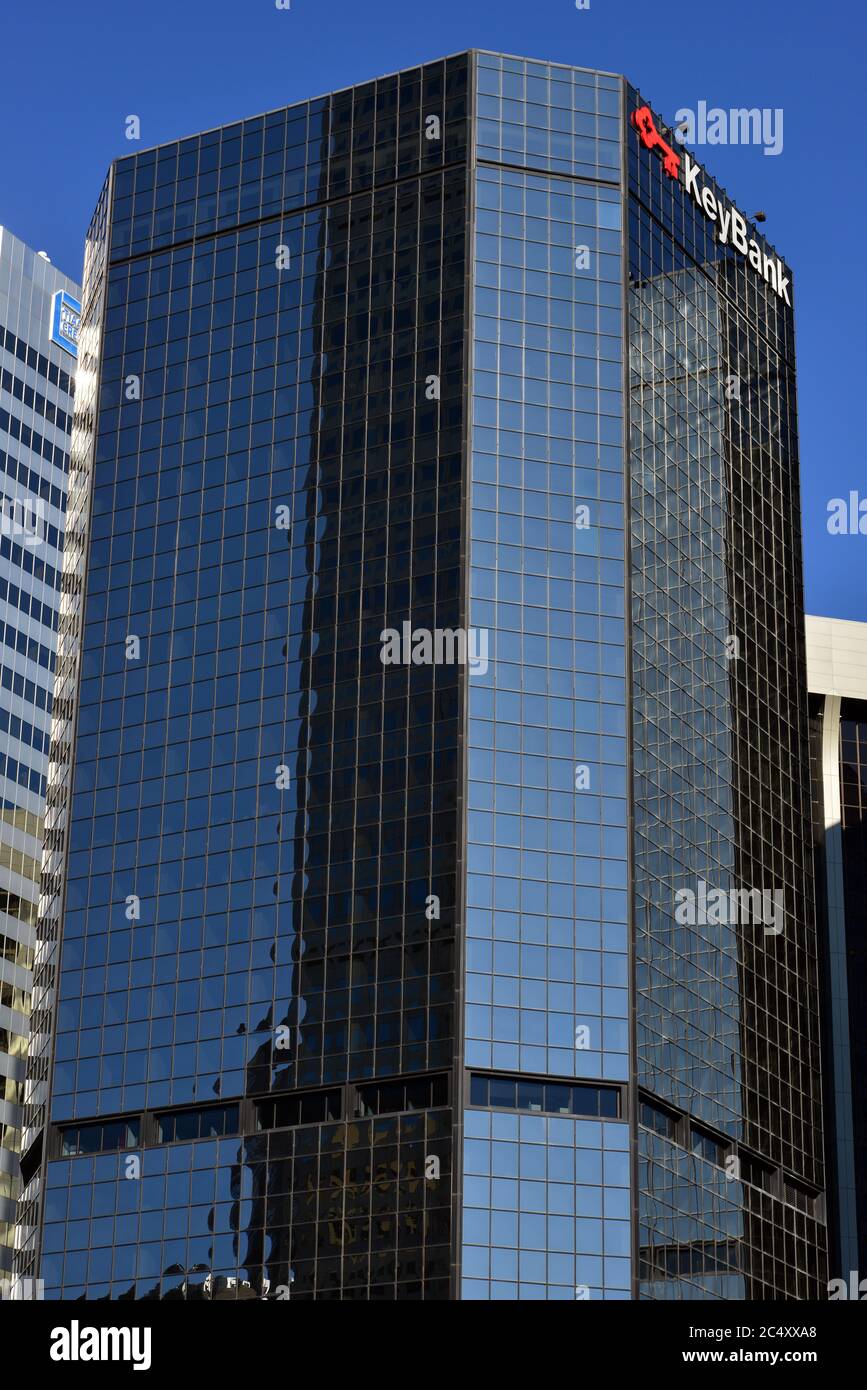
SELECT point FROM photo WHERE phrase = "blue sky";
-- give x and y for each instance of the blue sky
(73, 73)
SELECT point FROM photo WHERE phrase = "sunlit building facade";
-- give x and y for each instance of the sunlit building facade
(837, 678)
(37, 367)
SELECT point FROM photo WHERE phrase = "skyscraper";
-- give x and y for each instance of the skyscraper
(837, 673)
(38, 310)
(416, 718)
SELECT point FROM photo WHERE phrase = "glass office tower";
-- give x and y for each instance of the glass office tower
(38, 306)
(397, 711)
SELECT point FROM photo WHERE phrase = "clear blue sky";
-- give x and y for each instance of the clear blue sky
(73, 72)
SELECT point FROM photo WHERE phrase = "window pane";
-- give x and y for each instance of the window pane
(585, 1101)
(478, 1090)
(608, 1102)
(557, 1098)
(531, 1095)
(502, 1092)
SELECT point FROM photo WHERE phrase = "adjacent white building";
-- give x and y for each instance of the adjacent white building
(837, 679)
(39, 309)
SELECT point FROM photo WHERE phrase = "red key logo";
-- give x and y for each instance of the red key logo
(642, 119)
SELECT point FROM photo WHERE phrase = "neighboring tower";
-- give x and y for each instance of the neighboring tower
(837, 677)
(441, 627)
(39, 311)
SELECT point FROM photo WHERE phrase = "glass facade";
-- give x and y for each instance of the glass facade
(369, 964)
(36, 384)
(727, 1008)
(261, 807)
(546, 906)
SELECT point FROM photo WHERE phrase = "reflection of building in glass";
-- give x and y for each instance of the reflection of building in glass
(373, 968)
(837, 671)
(36, 384)
(261, 809)
(727, 1056)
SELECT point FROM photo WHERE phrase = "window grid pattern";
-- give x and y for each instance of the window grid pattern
(725, 1246)
(174, 809)
(853, 808)
(546, 953)
(543, 116)
(280, 937)
(727, 1011)
(546, 881)
(285, 160)
(35, 419)
(546, 1208)
(327, 1211)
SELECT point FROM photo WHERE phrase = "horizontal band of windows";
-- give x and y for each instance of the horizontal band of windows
(288, 131)
(740, 1166)
(277, 181)
(381, 286)
(209, 363)
(336, 1103)
(549, 1097)
(215, 1121)
(27, 562)
(34, 400)
(311, 1107)
(25, 776)
(31, 648)
(323, 1106)
(14, 998)
(696, 1258)
(396, 1097)
(100, 1138)
(15, 952)
(531, 107)
(392, 275)
(34, 481)
(439, 649)
(105, 743)
(206, 1122)
(14, 1044)
(31, 439)
(18, 907)
(18, 728)
(10, 1138)
(358, 262)
(30, 605)
(37, 361)
(223, 214)
(33, 694)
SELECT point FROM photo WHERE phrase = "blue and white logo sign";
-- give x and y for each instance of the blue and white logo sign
(65, 322)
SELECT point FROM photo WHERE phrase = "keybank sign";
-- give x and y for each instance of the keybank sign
(731, 225)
